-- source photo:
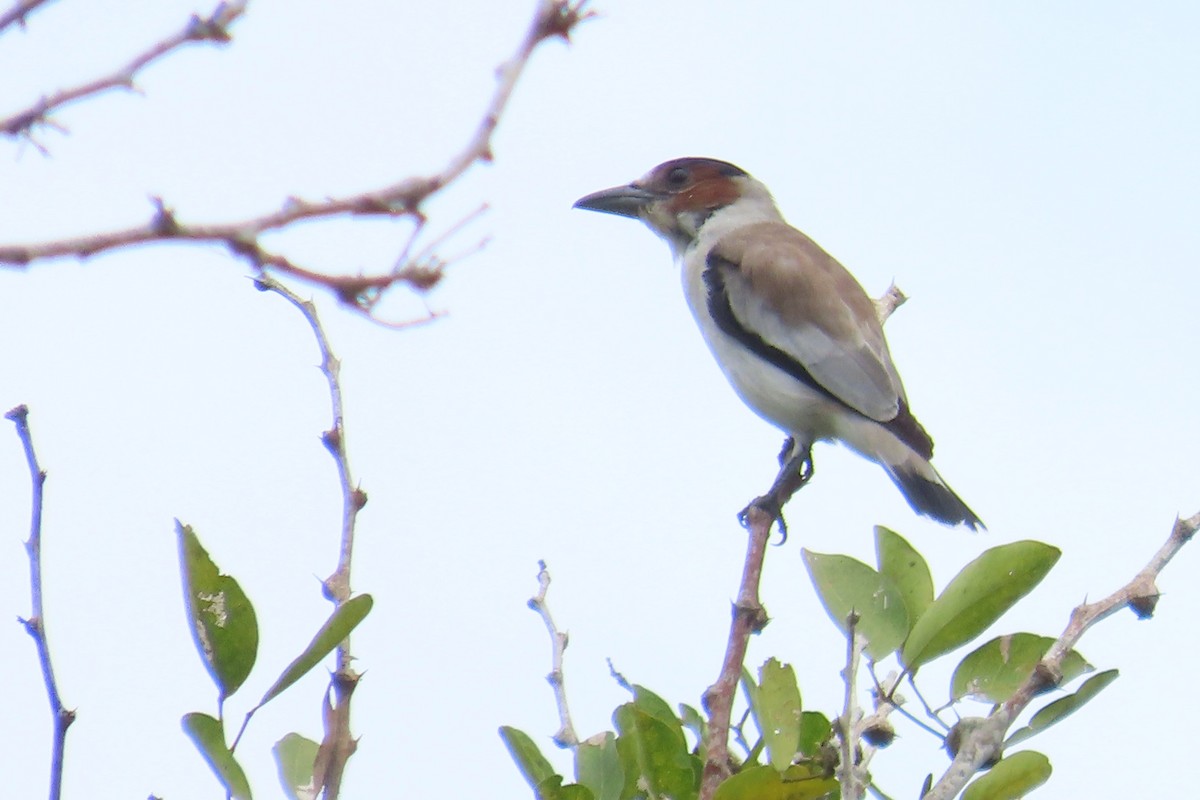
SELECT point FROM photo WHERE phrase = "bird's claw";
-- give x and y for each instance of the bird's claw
(769, 505)
(794, 472)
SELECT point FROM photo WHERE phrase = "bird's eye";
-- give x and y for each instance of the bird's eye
(677, 177)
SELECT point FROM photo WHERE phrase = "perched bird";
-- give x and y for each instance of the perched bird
(793, 331)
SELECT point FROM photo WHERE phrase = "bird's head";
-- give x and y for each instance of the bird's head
(676, 198)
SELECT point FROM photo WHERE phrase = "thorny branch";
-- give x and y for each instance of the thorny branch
(214, 28)
(851, 774)
(19, 13)
(338, 744)
(749, 617)
(35, 625)
(982, 739)
(566, 736)
(552, 19)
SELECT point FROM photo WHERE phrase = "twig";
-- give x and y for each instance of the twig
(850, 776)
(214, 28)
(925, 704)
(35, 625)
(19, 13)
(338, 744)
(552, 18)
(566, 736)
(888, 700)
(337, 585)
(887, 304)
(982, 739)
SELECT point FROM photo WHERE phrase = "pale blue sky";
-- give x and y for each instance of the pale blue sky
(1028, 175)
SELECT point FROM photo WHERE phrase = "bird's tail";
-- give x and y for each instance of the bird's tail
(928, 494)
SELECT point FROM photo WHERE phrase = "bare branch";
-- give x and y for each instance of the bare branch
(19, 13)
(892, 299)
(980, 740)
(214, 28)
(338, 744)
(851, 777)
(36, 624)
(552, 18)
(566, 736)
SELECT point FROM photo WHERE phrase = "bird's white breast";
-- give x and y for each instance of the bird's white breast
(773, 394)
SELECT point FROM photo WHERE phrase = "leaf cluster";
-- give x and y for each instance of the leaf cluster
(225, 630)
(895, 610)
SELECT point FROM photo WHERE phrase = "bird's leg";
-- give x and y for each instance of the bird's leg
(789, 444)
(795, 471)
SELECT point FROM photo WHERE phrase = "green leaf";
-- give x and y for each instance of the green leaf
(694, 721)
(344, 619)
(994, 671)
(977, 597)
(779, 712)
(658, 753)
(208, 735)
(295, 756)
(655, 706)
(901, 562)
(814, 732)
(529, 758)
(846, 584)
(627, 751)
(799, 782)
(598, 766)
(553, 789)
(1015, 776)
(224, 626)
(1064, 706)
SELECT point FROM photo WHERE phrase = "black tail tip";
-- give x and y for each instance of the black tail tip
(936, 500)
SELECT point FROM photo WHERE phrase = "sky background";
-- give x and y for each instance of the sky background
(1028, 174)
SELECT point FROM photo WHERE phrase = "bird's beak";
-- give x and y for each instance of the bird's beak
(624, 201)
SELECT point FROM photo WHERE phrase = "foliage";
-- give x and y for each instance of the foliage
(792, 753)
(225, 630)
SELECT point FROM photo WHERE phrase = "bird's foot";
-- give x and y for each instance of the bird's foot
(769, 505)
(794, 473)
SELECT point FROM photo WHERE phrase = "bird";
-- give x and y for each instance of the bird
(795, 334)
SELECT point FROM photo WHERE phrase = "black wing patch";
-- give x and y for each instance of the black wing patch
(904, 425)
(722, 312)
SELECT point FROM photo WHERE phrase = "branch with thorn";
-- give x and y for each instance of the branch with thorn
(338, 743)
(213, 29)
(19, 13)
(978, 741)
(35, 625)
(566, 736)
(851, 771)
(404, 198)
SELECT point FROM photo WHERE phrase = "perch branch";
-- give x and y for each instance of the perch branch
(982, 739)
(35, 625)
(749, 616)
(566, 736)
(552, 18)
(214, 28)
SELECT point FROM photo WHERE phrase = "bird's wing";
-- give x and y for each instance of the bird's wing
(807, 312)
